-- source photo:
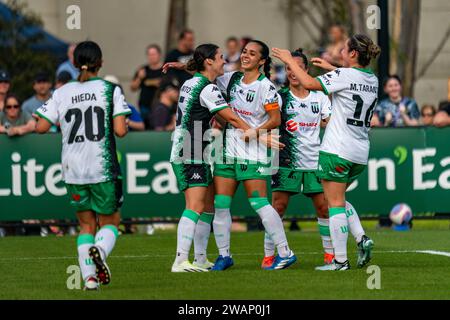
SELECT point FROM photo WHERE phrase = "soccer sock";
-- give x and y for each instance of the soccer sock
(324, 230)
(339, 233)
(201, 236)
(87, 266)
(222, 224)
(105, 239)
(269, 246)
(185, 234)
(272, 223)
(354, 223)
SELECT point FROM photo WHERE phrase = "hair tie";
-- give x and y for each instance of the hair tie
(84, 67)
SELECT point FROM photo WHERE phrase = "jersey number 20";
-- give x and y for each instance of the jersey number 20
(88, 124)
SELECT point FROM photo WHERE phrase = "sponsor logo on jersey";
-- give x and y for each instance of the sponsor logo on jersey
(196, 176)
(76, 197)
(315, 107)
(260, 170)
(181, 99)
(250, 96)
(244, 167)
(303, 105)
(291, 126)
(186, 89)
(272, 88)
(215, 89)
(338, 72)
(243, 112)
(220, 102)
(339, 169)
(329, 75)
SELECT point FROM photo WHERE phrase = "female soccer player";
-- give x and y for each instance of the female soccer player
(303, 113)
(199, 100)
(254, 99)
(90, 111)
(345, 148)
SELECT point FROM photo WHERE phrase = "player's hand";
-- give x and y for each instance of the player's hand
(173, 65)
(283, 54)
(322, 63)
(271, 141)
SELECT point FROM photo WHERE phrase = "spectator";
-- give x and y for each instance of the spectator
(245, 40)
(42, 87)
(135, 122)
(337, 37)
(396, 110)
(183, 53)
(147, 79)
(442, 118)
(232, 56)
(68, 64)
(164, 110)
(13, 120)
(62, 78)
(5, 83)
(427, 113)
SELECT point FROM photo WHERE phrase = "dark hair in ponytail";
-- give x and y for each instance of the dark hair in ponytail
(87, 58)
(299, 53)
(201, 53)
(265, 56)
(366, 48)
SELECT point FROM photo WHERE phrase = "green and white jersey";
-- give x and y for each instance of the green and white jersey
(85, 112)
(300, 128)
(354, 95)
(199, 99)
(251, 103)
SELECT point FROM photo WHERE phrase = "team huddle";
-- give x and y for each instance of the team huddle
(254, 124)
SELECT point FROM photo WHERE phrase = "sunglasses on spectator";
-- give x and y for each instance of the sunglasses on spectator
(427, 114)
(12, 106)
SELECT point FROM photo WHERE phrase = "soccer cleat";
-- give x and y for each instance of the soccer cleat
(283, 263)
(222, 263)
(328, 258)
(365, 247)
(186, 266)
(267, 262)
(91, 284)
(335, 266)
(101, 268)
(205, 265)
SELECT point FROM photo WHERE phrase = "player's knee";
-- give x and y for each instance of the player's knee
(113, 219)
(258, 203)
(280, 206)
(222, 201)
(89, 227)
(322, 211)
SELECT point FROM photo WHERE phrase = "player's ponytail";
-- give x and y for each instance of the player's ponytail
(201, 53)
(87, 59)
(366, 48)
(265, 56)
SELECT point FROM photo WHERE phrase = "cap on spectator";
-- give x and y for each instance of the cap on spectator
(42, 77)
(64, 77)
(4, 76)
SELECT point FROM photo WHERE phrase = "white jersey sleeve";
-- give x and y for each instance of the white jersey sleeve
(223, 81)
(49, 110)
(212, 98)
(334, 81)
(326, 107)
(271, 98)
(120, 105)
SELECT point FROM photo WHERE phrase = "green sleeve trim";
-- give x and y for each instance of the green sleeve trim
(85, 239)
(220, 108)
(207, 217)
(222, 202)
(336, 211)
(44, 117)
(192, 215)
(113, 229)
(323, 86)
(258, 203)
(324, 230)
(122, 114)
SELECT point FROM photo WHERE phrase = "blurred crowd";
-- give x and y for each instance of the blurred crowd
(158, 93)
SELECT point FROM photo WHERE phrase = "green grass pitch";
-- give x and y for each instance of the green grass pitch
(35, 268)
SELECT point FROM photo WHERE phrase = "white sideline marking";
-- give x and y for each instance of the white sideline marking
(148, 256)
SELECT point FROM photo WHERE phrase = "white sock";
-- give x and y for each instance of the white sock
(354, 223)
(201, 236)
(105, 239)
(222, 230)
(87, 266)
(324, 230)
(185, 234)
(272, 223)
(269, 245)
(339, 233)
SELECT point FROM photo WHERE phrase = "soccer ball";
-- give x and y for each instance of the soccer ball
(401, 214)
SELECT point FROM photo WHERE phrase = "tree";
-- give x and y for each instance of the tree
(176, 23)
(16, 53)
